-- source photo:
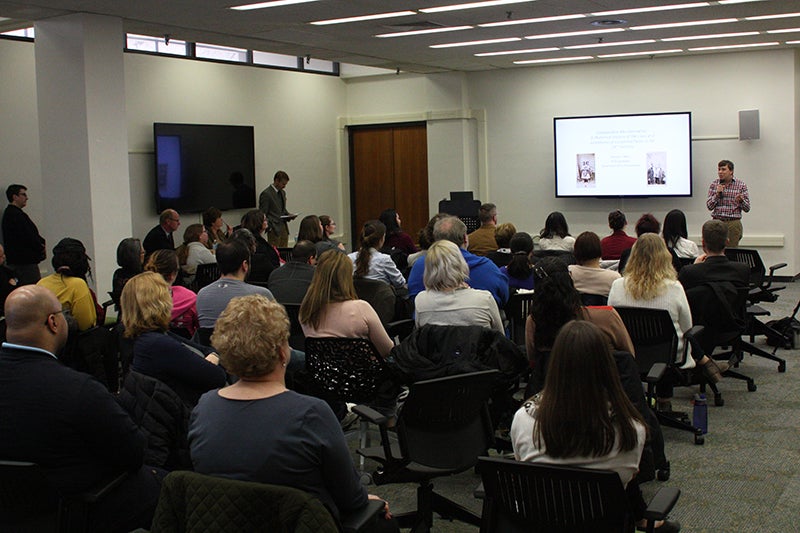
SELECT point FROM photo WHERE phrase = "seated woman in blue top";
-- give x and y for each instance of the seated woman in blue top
(256, 429)
(369, 263)
(187, 368)
(520, 269)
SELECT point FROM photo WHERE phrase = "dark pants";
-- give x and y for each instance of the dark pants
(131, 505)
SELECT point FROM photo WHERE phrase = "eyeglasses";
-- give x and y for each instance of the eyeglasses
(539, 272)
(54, 313)
(175, 219)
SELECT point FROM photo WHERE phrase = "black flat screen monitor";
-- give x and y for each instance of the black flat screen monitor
(623, 155)
(198, 166)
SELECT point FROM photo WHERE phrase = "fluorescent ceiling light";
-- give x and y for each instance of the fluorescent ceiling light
(603, 45)
(574, 33)
(475, 43)
(530, 21)
(514, 52)
(471, 5)
(737, 1)
(778, 16)
(551, 60)
(360, 18)
(649, 9)
(423, 32)
(709, 36)
(273, 3)
(792, 42)
(632, 54)
(786, 30)
(682, 24)
(728, 47)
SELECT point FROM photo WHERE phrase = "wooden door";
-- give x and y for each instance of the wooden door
(389, 169)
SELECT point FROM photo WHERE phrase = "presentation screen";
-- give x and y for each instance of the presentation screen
(624, 155)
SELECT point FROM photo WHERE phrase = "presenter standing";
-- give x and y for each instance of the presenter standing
(272, 202)
(727, 199)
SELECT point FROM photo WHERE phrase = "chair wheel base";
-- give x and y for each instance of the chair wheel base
(751, 386)
(663, 475)
(699, 440)
(719, 401)
(782, 366)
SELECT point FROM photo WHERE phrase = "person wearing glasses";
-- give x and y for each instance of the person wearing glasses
(25, 248)
(160, 237)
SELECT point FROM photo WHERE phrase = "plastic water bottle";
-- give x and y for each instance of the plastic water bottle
(700, 413)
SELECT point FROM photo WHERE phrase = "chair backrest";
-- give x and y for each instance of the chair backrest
(195, 503)
(379, 295)
(95, 352)
(752, 259)
(534, 497)
(285, 253)
(347, 369)
(517, 310)
(206, 274)
(568, 258)
(297, 338)
(593, 299)
(653, 334)
(27, 501)
(445, 423)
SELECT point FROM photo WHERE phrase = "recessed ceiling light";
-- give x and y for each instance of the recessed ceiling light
(731, 46)
(650, 53)
(786, 30)
(778, 16)
(709, 36)
(423, 32)
(475, 43)
(603, 45)
(682, 24)
(573, 33)
(360, 18)
(517, 52)
(471, 5)
(273, 3)
(530, 21)
(649, 9)
(551, 60)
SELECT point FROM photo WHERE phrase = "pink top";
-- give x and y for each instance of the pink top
(184, 309)
(353, 319)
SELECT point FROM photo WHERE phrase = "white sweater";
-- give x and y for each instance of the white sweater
(672, 298)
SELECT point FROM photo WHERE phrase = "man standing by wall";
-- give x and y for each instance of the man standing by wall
(272, 202)
(25, 248)
(727, 199)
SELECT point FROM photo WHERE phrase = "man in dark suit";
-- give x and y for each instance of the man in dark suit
(160, 237)
(713, 265)
(66, 421)
(24, 246)
(290, 282)
(272, 202)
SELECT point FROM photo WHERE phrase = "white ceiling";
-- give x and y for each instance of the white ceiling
(286, 30)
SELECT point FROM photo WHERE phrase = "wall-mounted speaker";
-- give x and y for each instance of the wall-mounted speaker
(749, 128)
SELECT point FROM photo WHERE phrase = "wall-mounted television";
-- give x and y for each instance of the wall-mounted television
(624, 155)
(199, 165)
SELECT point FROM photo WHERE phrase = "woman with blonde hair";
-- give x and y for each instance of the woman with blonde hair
(187, 368)
(331, 307)
(650, 281)
(251, 430)
(447, 299)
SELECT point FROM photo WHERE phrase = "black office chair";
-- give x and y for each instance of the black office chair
(761, 289)
(29, 503)
(567, 257)
(95, 352)
(656, 342)
(379, 295)
(206, 274)
(442, 429)
(533, 497)
(517, 310)
(297, 338)
(195, 503)
(285, 253)
(593, 299)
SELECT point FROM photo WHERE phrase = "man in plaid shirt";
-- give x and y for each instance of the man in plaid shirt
(727, 199)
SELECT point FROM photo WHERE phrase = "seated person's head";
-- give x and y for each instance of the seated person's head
(70, 259)
(230, 256)
(647, 223)
(130, 254)
(211, 216)
(195, 233)
(587, 247)
(304, 252)
(487, 214)
(450, 228)
(521, 243)
(245, 236)
(503, 233)
(554, 226)
(650, 263)
(256, 221)
(251, 336)
(426, 233)
(164, 262)
(616, 220)
(146, 304)
(715, 236)
(34, 318)
(389, 219)
(310, 229)
(555, 301)
(445, 267)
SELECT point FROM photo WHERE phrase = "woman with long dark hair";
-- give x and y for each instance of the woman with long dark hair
(129, 258)
(555, 234)
(370, 263)
(677, 237)
(311, 230)
(395, 236)
(265, 259)
(520, 269)
(328, 229)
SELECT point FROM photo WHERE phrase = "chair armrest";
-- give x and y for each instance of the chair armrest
(656, 373)
(662, 503)
(479, 492)
(773, 268)
(401, 328)
(99, 491)
(364, 518)
(370, 414)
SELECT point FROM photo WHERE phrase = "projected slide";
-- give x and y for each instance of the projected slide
(623, 155)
